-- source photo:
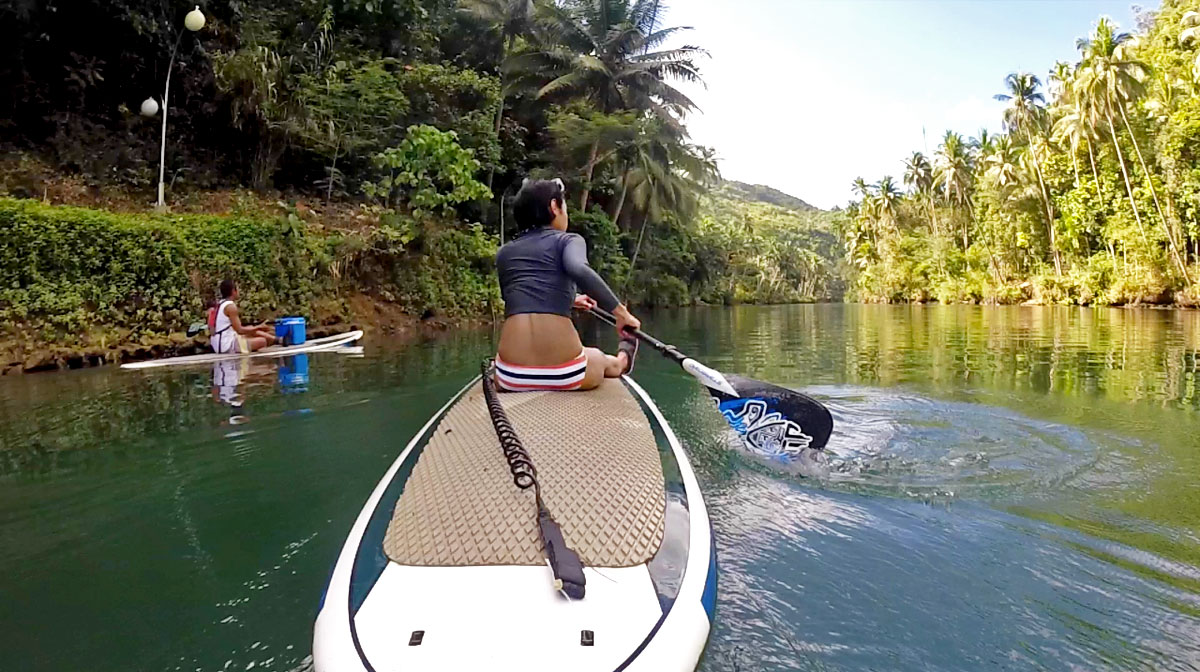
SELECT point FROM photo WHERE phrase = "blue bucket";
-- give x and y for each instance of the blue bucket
(290, 330)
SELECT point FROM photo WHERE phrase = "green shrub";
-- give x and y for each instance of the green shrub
(604, 245)
(66, 270)
(455, 274)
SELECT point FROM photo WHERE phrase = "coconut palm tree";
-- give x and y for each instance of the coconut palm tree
(982, 144)
(954, 174)
(918, 176)
(887, 197)
(1024, 114)
(609, 53)
(667, 175)
(1110, 79)
(1003, 165)
(1059, 82)
(861, 188)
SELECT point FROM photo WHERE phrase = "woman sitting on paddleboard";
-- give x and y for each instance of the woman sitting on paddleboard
(227, 334)
(539, 273)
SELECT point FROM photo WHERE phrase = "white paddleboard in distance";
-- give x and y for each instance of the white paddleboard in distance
(651, 617)
(315, 345)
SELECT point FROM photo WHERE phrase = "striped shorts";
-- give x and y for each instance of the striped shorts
(568, 376)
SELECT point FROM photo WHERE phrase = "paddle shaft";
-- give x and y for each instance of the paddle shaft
(668, 351)
(771, 419)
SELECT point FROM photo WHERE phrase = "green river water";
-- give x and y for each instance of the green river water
(1008, 488)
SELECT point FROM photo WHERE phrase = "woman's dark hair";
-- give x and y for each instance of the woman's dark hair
(532, 207)
(227, 288)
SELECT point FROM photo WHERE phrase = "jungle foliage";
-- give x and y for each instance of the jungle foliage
(424, 114)
(1090, 195)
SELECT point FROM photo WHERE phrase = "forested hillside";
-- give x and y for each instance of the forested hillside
(764, 194)
(1091, 194)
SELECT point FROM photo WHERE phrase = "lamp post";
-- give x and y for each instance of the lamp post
(193, 22)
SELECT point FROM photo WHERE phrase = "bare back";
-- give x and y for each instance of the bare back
(538, 339)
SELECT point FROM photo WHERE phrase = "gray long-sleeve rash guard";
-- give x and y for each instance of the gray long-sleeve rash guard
(540, 270)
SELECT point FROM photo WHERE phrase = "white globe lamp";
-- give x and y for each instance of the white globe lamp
(194, 20)
(149, 107)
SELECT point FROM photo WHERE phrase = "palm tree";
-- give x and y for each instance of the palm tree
(668, 176)
(918, 176)
(1059, 82)
(1025, 113)
(983, 143)
(887, 196)
(861, 189)
(1070, 130)
(1110, 79)
(954, 174)
(1003, 165)
(609, 54)
(867, 214)
(510, 18)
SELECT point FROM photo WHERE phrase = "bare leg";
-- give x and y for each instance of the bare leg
(256, 343)
(601, 366)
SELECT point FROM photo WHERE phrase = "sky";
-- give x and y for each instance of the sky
(806, 95)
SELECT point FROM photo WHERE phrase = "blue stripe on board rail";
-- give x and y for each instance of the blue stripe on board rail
(709, 597)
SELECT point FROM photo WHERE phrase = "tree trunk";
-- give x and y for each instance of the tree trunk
(1154, 192)
(1037, 168)
(1095, 174)
(587, 176)
(332, 172)
(937, 232)
(933, 213)
(974, 220)
(500, 110)
(636, 250)
(616, 218)
(1125, 174)
(1075, 163)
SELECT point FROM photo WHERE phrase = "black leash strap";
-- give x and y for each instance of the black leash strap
(564, 562)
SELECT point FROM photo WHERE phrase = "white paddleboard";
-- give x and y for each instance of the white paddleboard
(378, 615)
(315, 345)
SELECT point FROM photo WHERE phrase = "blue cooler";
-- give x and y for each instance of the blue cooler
(290, 330)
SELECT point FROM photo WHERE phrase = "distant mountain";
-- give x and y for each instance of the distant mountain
(764, 194)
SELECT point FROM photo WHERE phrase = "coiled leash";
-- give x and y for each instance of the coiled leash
(564, 562)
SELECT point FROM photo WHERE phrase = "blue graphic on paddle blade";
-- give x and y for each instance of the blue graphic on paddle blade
(765, 430)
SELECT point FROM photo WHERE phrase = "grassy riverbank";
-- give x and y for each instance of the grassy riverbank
(84, 286)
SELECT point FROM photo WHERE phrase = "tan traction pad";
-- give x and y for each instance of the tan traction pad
(597, 462)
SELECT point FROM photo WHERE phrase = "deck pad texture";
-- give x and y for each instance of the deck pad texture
(597, 462)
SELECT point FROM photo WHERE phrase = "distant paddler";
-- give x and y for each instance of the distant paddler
(227, 334)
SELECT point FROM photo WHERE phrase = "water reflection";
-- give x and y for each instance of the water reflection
(231, 378)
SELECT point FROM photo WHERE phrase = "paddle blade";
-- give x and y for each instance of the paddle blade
(773, 421)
